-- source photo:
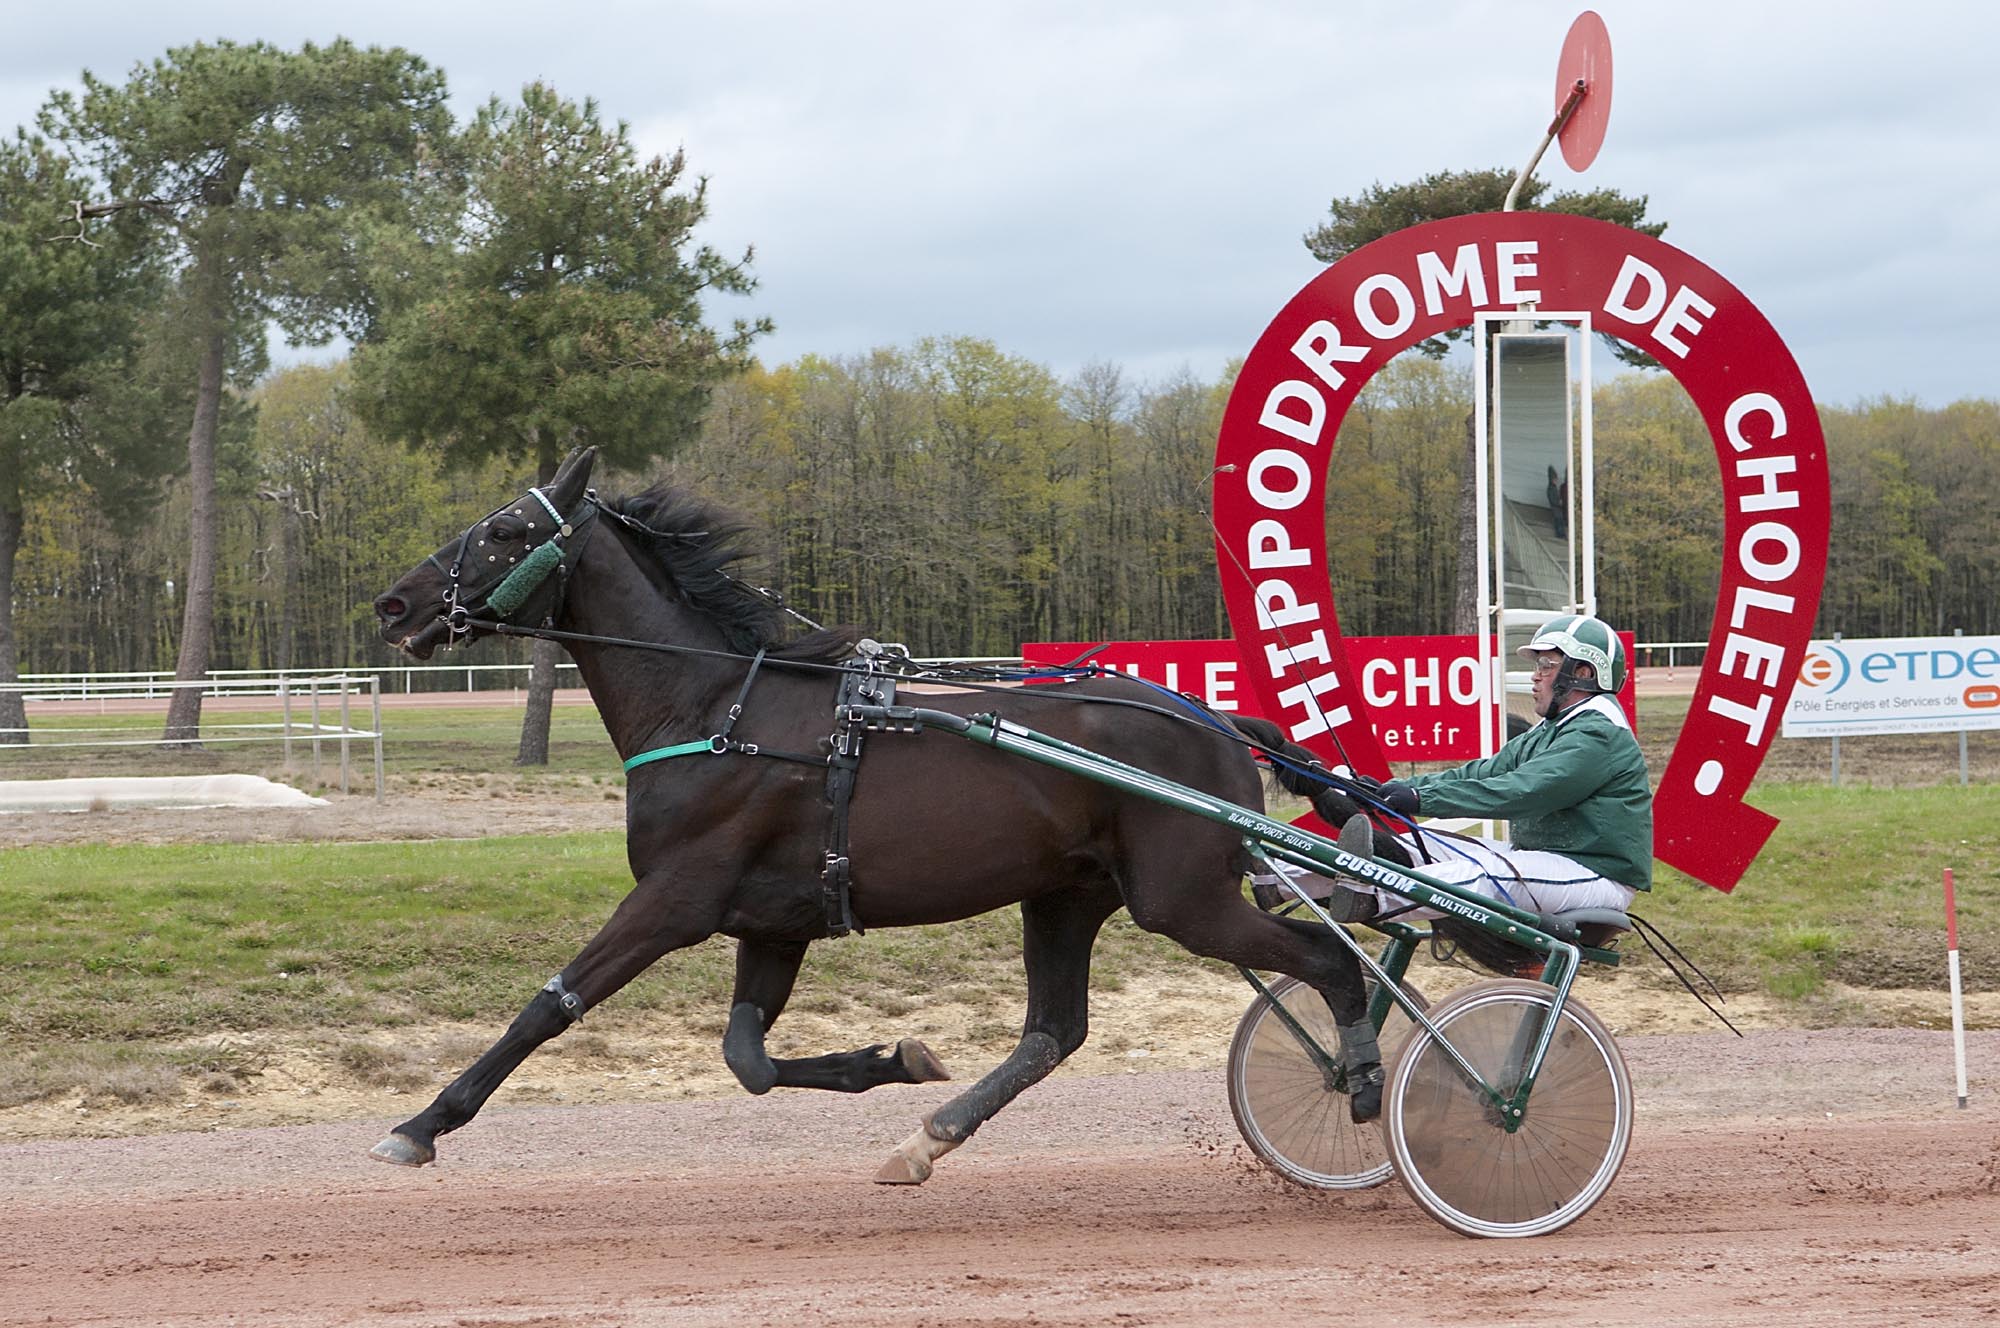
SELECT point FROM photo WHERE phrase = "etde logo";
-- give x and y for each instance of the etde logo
(1822, 663)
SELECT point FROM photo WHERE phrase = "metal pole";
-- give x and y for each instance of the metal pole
(375, 692)
(1836, 760)
(315, 720)
(285, 706)
(1964, 766)
(1555, 127)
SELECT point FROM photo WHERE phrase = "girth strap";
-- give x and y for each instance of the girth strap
(858, 687)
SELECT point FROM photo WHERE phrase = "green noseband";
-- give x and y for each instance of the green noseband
(524, 580)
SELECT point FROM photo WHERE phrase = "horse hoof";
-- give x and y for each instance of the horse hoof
(923, 1066)
(910, 1164)
(399, 1150)
(901, 1170)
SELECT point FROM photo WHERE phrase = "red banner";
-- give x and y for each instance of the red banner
(1275, 451)
(1423, 693)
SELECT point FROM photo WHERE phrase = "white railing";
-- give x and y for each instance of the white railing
(1690, 651)
(313, 692)
(157, 683)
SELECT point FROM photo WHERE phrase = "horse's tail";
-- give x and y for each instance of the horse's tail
(1297, 770)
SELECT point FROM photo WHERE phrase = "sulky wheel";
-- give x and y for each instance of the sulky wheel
(1448, 1143)
(1286, 1110)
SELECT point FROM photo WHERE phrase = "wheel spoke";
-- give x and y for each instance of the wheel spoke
(1461, 1165)
(1287, 1114)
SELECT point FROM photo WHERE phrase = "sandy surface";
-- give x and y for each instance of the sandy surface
(1789, 1178)
(448, 806)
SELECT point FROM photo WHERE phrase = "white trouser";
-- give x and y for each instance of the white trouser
(1534, 879)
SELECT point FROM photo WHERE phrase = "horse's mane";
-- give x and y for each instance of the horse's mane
(701, 546)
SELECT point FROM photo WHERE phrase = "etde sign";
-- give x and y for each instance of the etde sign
(1275, 455)
(1921, 684)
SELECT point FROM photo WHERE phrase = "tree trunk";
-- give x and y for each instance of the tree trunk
(1465, 598)
(13, 711)
(198, 616)
(288, 585)
(546, 654)
(541, 697)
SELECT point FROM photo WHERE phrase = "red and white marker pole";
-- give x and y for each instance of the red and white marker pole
(1951, 967)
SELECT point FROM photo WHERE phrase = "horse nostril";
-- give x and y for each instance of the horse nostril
(389, 608)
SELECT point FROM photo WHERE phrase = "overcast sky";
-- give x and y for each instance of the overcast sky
(1129, 181)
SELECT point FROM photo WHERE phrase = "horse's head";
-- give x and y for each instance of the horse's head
(506, 567)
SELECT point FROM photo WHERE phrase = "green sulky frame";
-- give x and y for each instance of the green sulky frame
(1301, 848)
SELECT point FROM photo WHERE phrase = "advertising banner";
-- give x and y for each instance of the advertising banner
(1911, 684)
(1423, 692)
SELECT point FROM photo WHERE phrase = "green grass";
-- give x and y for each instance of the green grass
(1849, 888)
(113, 943)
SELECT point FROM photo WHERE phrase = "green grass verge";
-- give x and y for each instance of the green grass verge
(147, 941)
(128, 942)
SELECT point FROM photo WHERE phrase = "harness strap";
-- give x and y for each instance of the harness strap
(865, 686)
(668, 753)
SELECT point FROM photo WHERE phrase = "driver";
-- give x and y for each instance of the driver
(1573, 789)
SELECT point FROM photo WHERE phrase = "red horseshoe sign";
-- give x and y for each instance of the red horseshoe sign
(1275, 452)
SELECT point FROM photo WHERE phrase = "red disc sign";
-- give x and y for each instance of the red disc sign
(1586, 56)
(1275, 451)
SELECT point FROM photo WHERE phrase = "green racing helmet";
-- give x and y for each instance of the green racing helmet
(1585, 641)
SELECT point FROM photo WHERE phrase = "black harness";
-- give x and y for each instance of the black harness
(865, 685)
(864, 681)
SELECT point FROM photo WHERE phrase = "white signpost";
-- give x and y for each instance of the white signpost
(1922, 684)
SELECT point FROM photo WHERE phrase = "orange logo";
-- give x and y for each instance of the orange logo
(1982, 696)
(1816, 671)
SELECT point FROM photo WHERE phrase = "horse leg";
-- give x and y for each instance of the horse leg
(765, 972)
(1057, 931)
(1216, 922)
(648, 923)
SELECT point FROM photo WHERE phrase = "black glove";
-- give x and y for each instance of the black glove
(1397, 796)
(1400, 797)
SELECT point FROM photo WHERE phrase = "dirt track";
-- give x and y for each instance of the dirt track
(1795, 1177)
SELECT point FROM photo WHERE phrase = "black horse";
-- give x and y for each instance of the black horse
(731, 836)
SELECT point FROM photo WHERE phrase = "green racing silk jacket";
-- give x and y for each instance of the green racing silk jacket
(1575, 785)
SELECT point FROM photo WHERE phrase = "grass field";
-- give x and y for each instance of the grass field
(126, 947)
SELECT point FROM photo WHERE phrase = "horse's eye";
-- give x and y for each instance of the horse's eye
(504, 531)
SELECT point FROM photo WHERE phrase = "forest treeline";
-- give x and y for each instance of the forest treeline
(963, 500)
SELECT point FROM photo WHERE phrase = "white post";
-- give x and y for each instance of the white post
(375, 695)
(1957, 1000)
(1493, 717)
(346, 691)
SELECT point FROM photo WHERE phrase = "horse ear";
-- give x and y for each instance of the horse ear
(572, 478)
